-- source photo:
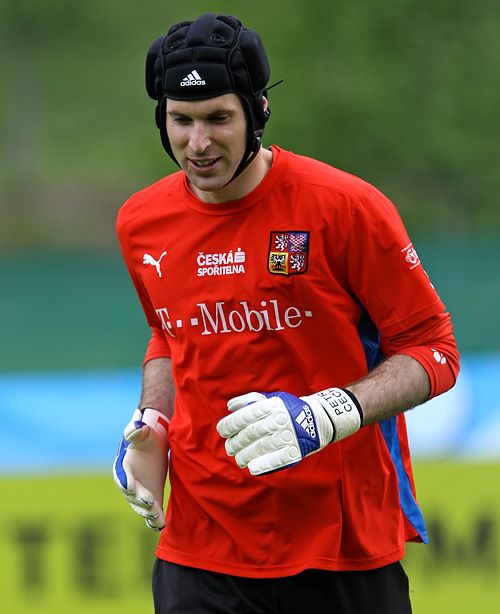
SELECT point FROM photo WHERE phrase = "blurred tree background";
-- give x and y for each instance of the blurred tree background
(404, 94)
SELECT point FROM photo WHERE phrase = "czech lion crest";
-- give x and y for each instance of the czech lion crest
(288, 252)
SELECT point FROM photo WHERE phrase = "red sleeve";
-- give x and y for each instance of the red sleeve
(432, 343)
(386, 275)
(384, 270)
(158, 345)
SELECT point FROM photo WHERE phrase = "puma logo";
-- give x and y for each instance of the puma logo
(148, 259)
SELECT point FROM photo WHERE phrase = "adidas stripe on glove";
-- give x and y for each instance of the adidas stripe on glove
(140, 469)
(267, 432)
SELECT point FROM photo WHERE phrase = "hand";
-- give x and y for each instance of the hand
(140, 469)
(267, 432)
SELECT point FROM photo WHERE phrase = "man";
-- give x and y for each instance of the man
(287, 292)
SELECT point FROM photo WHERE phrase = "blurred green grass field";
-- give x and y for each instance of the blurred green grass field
(72, 544)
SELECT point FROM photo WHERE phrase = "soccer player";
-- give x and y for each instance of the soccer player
(292, 325)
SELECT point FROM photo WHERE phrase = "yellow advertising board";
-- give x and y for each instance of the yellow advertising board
(72, 544)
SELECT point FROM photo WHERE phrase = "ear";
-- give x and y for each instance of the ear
(266, 109)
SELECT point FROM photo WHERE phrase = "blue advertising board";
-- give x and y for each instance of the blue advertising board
(72, 421)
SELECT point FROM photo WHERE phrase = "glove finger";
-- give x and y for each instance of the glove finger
(279, 459)
(156, 524)
(140, 496)
(159, 520)
(154, 517)
(255, 431)
(152, 514)
(122, 478)
(123, 486)
(146, 506)
(285, 438)
(229, 425)
(136, 432)
(244, 399)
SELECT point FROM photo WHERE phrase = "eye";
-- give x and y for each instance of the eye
(181, 120)
(219, 119)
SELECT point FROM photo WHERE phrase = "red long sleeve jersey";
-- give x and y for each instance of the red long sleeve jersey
(305, 283)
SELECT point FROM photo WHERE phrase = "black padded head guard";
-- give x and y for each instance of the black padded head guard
(208, 57)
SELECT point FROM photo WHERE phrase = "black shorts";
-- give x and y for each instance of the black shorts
(186, 590)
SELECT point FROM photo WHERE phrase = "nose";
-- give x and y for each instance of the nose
(199, 138)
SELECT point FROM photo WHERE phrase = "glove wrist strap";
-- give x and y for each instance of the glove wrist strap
(155, 419)
(343, 409)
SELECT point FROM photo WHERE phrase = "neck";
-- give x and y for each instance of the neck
(243, 184)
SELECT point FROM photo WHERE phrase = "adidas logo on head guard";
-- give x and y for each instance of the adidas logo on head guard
(192, 79)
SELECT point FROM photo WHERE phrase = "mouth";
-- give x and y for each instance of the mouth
(203, 165)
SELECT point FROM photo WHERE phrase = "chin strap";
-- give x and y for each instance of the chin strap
(248, 157)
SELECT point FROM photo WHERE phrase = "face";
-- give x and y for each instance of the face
(208, 139)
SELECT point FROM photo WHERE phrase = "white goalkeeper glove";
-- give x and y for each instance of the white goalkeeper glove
(140, 468)
(267, 432)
